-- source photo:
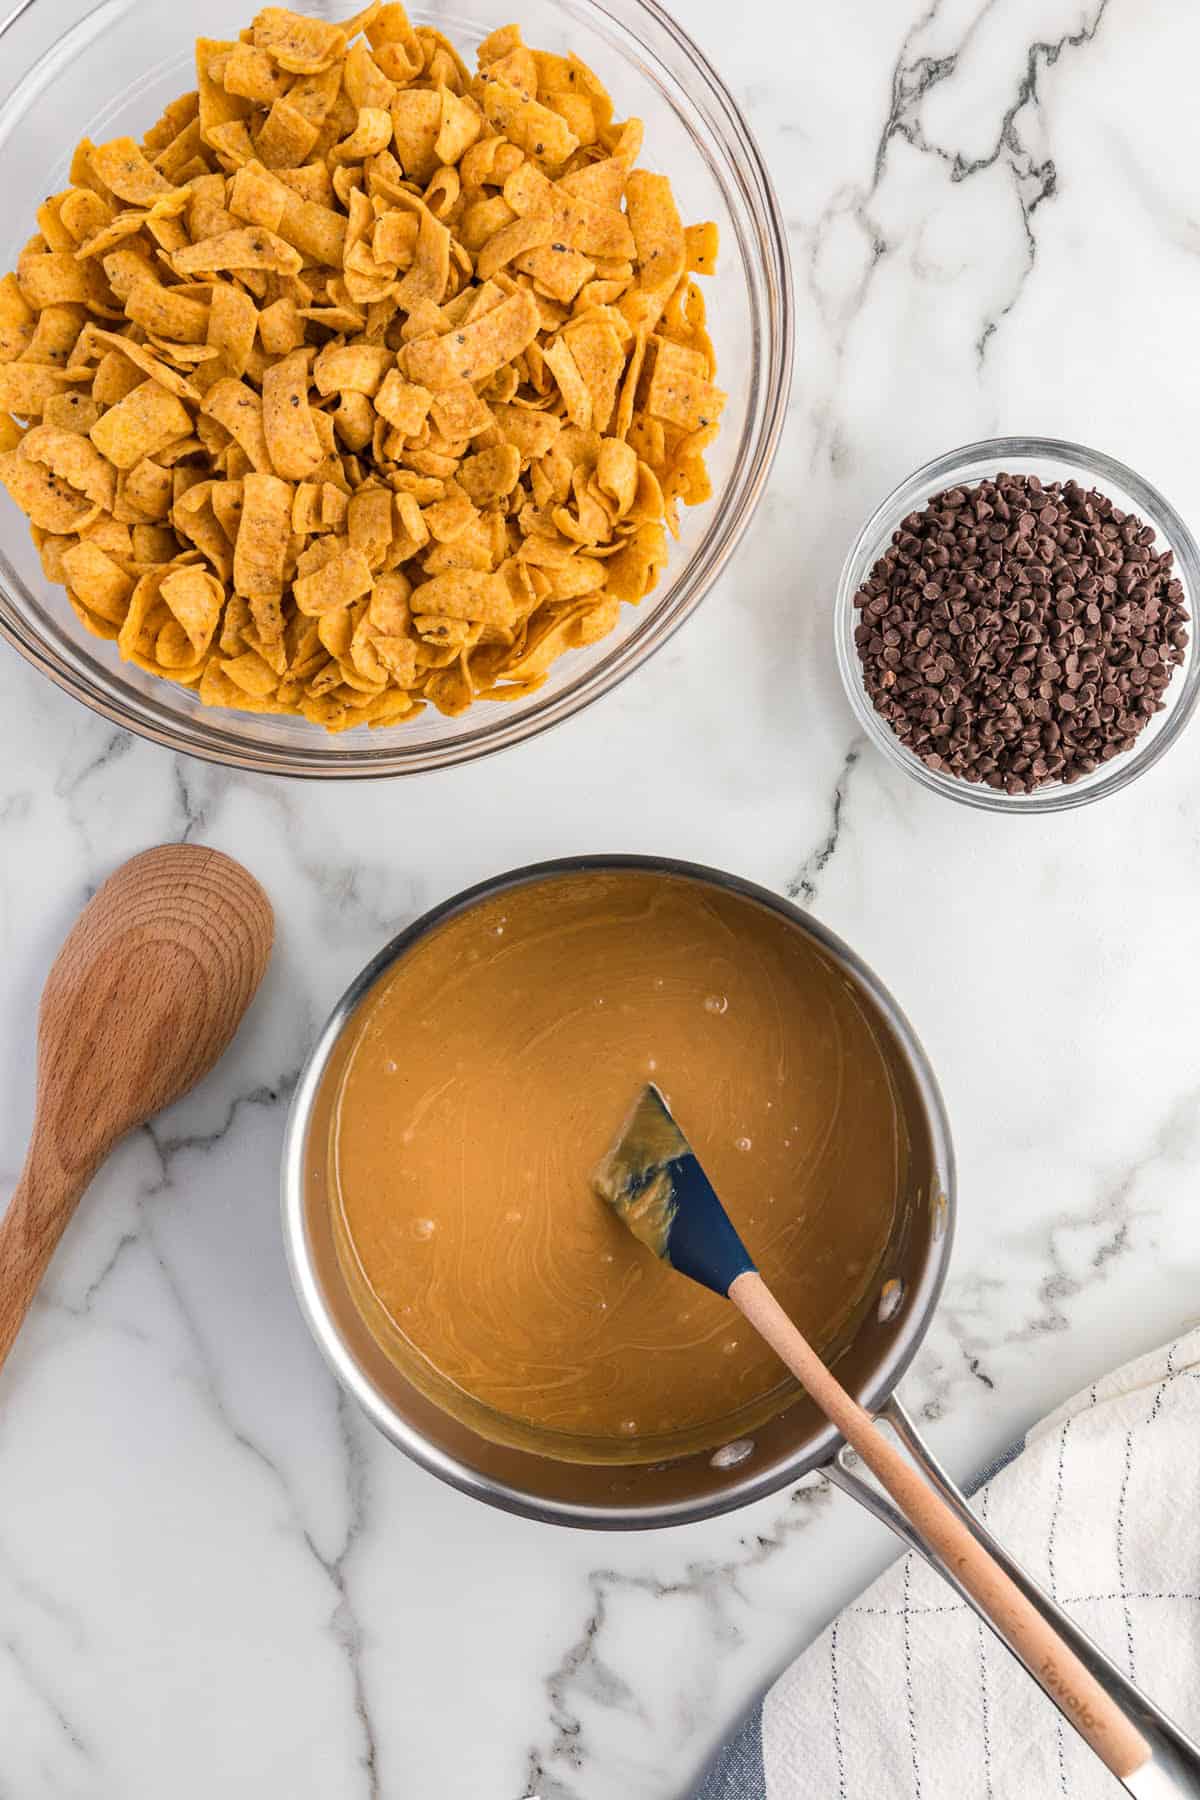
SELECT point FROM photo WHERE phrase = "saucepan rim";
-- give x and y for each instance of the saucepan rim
(820, 1446)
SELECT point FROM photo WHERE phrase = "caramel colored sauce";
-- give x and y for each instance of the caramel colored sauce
(491, 1070)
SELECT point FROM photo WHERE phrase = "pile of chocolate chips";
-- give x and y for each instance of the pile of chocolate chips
(1017, 634)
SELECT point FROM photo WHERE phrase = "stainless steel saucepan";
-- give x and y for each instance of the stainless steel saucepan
(794, 1443)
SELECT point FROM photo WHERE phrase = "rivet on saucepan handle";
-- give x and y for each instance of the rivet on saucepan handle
(730, 1455)
(891, 1294)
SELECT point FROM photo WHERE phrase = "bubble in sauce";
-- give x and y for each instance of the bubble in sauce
(391, 1066)
(743, 1144)
(423, 1229)
(716, 1003)
(629, 1427)
(512, 1216)
(729, 1346)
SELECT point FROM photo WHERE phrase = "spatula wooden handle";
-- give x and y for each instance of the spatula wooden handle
(41, 1206)
(1114, 1738)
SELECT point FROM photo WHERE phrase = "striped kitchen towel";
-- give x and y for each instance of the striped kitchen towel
(908, 1697)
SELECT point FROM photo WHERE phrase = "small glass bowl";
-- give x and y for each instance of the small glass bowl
(105, 67)
(1050, 460)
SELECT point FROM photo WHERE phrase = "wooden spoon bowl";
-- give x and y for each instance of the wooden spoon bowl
(145, 994)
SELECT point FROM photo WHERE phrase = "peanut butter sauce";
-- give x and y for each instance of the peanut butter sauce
(490, 1071)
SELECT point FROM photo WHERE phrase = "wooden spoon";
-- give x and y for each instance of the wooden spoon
(143, 997)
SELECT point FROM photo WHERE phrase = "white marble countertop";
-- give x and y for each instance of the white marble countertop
(214, 1577)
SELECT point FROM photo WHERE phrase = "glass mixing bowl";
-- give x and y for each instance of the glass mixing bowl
(109, 69)
(1051, 460)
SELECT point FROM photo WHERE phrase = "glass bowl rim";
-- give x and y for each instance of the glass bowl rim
(916, 488)
(147, 717)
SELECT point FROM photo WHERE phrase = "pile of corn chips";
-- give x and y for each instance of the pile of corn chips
(362, 382)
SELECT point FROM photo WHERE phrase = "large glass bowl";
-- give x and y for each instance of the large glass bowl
(70, 70)
(1051, 460)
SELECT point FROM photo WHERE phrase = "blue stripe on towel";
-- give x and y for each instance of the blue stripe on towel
(737, 1772)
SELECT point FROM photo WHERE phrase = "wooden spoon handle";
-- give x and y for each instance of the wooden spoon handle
(1098, 1719)
(41, 1206)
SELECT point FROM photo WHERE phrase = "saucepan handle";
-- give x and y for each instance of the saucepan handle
(1172, 1771)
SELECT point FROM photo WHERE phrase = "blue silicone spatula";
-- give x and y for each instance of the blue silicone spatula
(654, 1183)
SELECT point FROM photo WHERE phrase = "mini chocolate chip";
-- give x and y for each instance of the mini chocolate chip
(1026, 630)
